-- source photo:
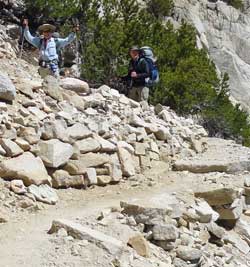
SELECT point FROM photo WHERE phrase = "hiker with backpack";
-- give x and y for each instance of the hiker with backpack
(142, 73)
(48, 47)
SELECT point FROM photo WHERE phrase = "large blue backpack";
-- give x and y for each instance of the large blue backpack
(148, 54)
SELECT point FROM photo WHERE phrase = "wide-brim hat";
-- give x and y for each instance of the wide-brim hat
(46, 28)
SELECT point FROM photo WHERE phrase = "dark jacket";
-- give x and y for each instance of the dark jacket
(142, 68)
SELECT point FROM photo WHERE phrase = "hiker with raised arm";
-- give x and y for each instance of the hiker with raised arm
(48, 47)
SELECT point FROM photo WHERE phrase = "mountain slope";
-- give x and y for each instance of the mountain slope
(225, 32)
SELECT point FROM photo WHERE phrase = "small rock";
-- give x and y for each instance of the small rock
(165, 232)
(11, 148)
(140, 245)
(216, 230)
(163, 134)
(180, 263)
(247, 212)
(106, 146)
(136, 121)
(23, 144)
(127, 164)
(3, 106)
(3, 216)
(145, 162)
(237, 242)
(166, 245)
(103, 128)
(189, 254)
(243, 228)
(52, 88)
(115, 168)
(62, 233)
(232, 211)
(90, 176)
(148, 213)
(103, 180)
(2, 151)
(247, 181)
(55, 130)
(7, 88)
(131, 221)
(78, 131)
(18, 187)
(44, 193)
(26, 203)
(140, 149)
(205, 212)
(37, 113)
(24, 112)
(77, 101)
(128, 147)
(30, 135)
(158, 109)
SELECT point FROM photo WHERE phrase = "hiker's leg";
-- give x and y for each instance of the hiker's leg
(132, 93)
(143, 94)
(54, 69)
(43, 72)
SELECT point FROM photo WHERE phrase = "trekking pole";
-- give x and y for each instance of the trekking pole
(77, 53)
(24, 23)
(22, 43)
(76, 24)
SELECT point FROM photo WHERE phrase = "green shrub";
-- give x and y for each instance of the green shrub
(159, 8)
(235, 3)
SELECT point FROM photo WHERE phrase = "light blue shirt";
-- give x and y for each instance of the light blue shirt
(49, 53)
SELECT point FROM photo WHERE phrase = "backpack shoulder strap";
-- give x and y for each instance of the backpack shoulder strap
(149, 61)
(56, 41)
(40, 43)
(143, 59)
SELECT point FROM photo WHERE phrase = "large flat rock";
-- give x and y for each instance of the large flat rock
(87, 145)
(75, 167)
(154, 210)
(26, 167)
(62, 179)
(54, 153)
(220, 196)
(81, 232)
(74, 84)
(221, 156)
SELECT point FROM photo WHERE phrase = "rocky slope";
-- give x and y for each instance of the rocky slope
(70, 135)
(224, 32)
(63, 135)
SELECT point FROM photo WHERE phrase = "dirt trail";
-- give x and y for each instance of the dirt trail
(25, 242)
